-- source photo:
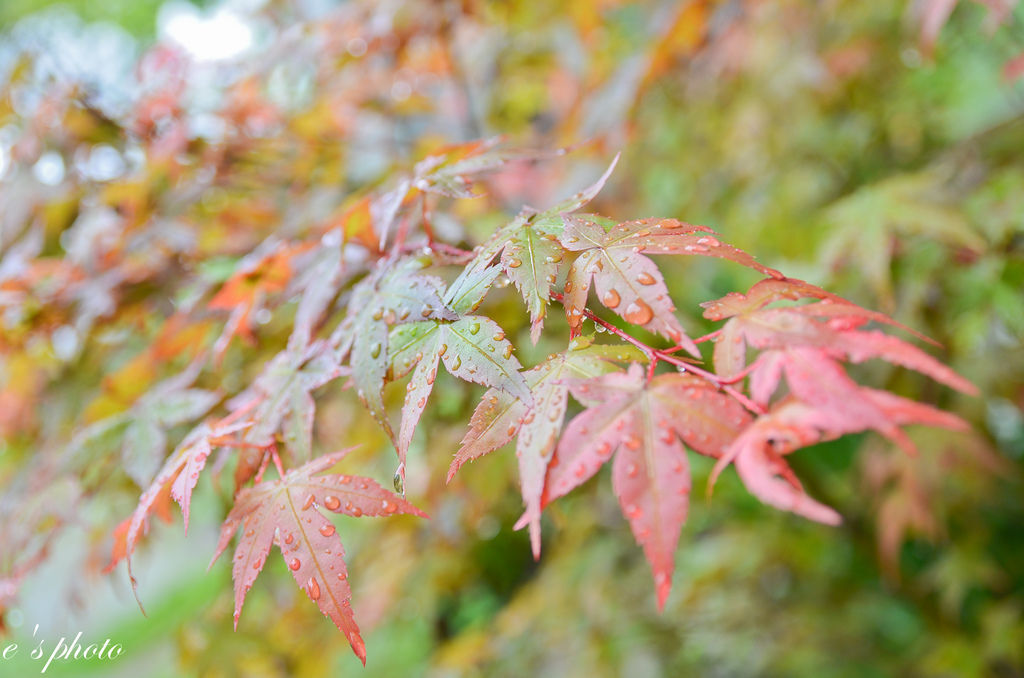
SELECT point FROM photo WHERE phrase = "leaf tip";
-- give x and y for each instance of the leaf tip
(663, 586)
(358, 646)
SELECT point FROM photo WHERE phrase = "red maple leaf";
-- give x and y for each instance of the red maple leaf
(286, 512)
(645, 424)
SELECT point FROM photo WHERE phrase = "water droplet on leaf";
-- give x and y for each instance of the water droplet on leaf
(638, 313)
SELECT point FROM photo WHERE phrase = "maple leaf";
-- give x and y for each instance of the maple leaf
(396, 292)
(804, 343)
(355, 222)
(449, 172)
(758, 451)
(285, 513)
(814, 378)
(831, 325)
(531, 259)
(283, 400)
(757, 455)
(145, 439)
(321, 274)
(143, 427)
(472, 348)
(530, 252)
(628, 282)
(501, 416)
(468, 290)
(257, 276)
(645, 426)
(175, 480)
(868, 224)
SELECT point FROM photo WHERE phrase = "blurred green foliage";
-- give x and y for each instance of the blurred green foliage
(138, 17)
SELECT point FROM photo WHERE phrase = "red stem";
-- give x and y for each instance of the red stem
(428, 226)
(655, 355)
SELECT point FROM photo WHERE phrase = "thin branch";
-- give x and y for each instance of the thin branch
(655, 355)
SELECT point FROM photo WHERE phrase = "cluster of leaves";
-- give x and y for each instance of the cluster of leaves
(400, 319)
(379, 286)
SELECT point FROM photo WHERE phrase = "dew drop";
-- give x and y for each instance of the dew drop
(295, 564)
(399, 479)
(327, 530)
(289, 538)
(645, 278)
(332, 503)
(313, 588)
(508, 352)
(514, 263)
(444, 349)
(474, 328)
(375, 351)
(498, 336)
(611, 299)
(631, 470)
(457, 364)
(709, 241)
(309, 502)
(638, 313)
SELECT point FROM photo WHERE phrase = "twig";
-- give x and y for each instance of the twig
(655, 355)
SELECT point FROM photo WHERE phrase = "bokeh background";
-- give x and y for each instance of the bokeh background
(874, 148)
